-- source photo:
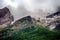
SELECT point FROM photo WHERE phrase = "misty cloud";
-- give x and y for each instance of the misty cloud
(34, 8)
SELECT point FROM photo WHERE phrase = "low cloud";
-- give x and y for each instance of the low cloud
(35, 8)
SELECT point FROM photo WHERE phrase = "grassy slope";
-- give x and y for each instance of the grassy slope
(34, 32)
(30, 31)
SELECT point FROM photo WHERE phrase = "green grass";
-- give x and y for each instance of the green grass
(34, 32)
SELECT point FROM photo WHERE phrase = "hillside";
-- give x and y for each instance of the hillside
(25, 29)
(34, 32)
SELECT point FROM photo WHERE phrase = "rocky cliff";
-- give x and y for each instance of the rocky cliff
(5, 17)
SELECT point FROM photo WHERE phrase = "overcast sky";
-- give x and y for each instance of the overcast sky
(38, 7)
(30, 4)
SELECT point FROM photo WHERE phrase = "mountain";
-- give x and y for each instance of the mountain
(5, 17)
(28, 28)
(18, 25)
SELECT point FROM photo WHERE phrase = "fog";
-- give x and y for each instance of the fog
(34, 8)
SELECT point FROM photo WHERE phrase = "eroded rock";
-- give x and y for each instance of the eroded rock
(5, 17)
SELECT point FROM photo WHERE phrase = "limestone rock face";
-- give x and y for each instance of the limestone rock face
(5, 17)
(53, 21)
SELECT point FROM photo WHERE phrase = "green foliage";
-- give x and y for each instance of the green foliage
(34, 32)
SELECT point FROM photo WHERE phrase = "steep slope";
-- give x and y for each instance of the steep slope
(25, 29)
(5, 17)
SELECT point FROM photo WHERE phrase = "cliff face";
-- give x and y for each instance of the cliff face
(5, 17)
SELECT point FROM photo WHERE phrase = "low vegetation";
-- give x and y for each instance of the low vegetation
(34, 32)
(28, 31)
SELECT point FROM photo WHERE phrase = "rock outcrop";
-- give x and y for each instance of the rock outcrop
(53, 20)
(5, 17)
